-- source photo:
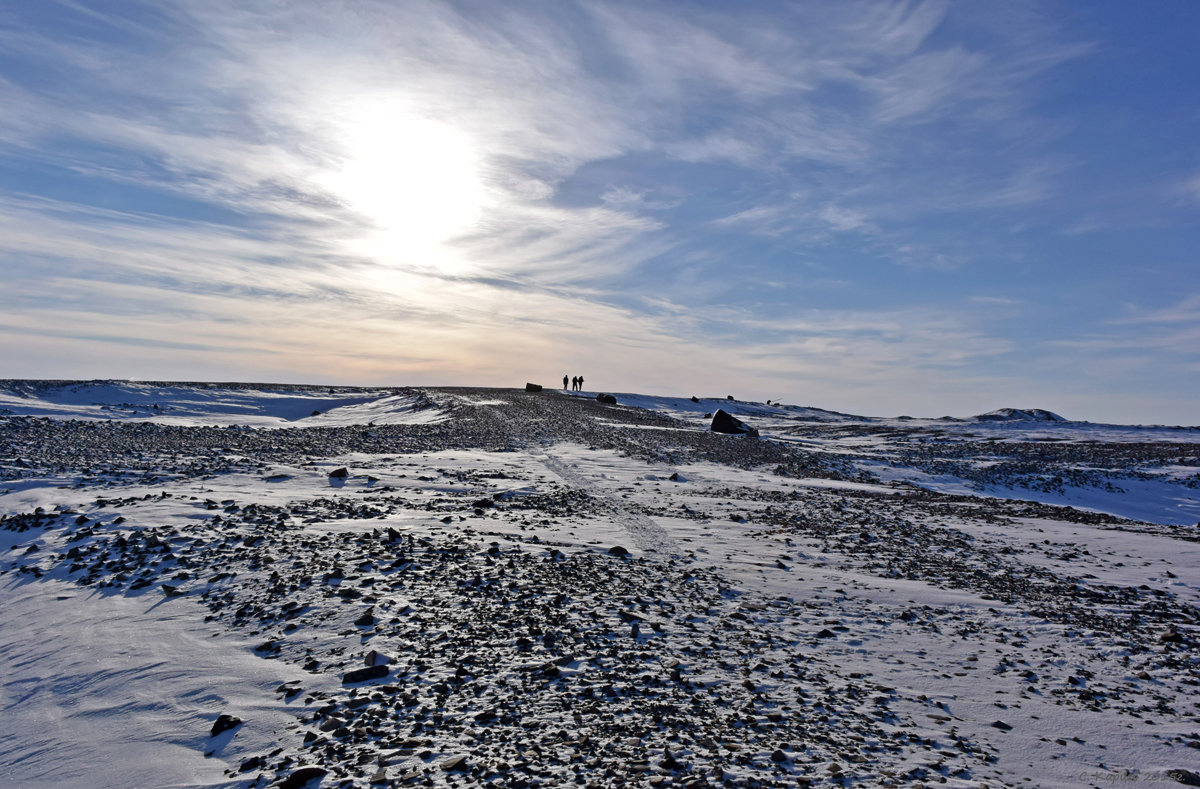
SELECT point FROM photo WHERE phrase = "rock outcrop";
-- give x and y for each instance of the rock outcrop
(723, 422)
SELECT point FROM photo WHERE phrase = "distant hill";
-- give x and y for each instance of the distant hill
(1019, 415)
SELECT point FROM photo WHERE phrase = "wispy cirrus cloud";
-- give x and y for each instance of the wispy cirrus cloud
(509, 182)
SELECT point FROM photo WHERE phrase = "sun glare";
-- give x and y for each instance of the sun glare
(417, 180)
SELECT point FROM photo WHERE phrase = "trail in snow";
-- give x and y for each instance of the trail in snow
(646, 534)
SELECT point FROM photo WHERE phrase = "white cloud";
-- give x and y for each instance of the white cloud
(925, 86)
(585, 143)
(1191, 187)
(901, 28)
(843, 219)
(1186, 310)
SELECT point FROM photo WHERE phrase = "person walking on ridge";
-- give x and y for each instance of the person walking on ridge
(564, 383)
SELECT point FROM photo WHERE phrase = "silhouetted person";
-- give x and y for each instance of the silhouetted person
(564, 383)
(580, 385)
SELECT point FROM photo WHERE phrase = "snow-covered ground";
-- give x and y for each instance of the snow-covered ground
(555, 592)
(273, 405)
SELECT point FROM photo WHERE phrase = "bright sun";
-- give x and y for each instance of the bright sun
(417, 180)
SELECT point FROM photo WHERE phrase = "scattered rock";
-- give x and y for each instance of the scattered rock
(224, 723)
(533, 387)
(300, 778)
(552, 624)
(454, 763)
(606, 399)
(340, 473)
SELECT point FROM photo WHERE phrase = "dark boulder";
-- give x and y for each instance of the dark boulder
(533, 387)
(364, 674)
(224, 723)
(340, 473)
(607, 399)
(455, 764)
(301, 777)
(723, 422)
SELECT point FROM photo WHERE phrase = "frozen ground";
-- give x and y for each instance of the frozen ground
(547, 591)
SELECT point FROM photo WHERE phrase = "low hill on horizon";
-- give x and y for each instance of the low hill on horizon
(265, 404)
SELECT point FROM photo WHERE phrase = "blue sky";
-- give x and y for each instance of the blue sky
(885, 208)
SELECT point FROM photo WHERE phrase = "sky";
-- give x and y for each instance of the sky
(920, 208)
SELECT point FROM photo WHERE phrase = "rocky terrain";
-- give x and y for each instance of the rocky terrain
(520, 589)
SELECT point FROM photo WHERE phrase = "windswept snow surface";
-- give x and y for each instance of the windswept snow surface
(557, 592)
(271, 405)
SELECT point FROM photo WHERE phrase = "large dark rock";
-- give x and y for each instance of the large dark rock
(364, 674)
(533, 387)
(224, 723)
(455, 763)
(607, 399)
(300, 778)
(723, 422)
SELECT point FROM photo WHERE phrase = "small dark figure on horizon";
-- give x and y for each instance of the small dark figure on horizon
(579, 385)
(564, 383)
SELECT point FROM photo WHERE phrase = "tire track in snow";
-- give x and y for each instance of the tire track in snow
(646, 534)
